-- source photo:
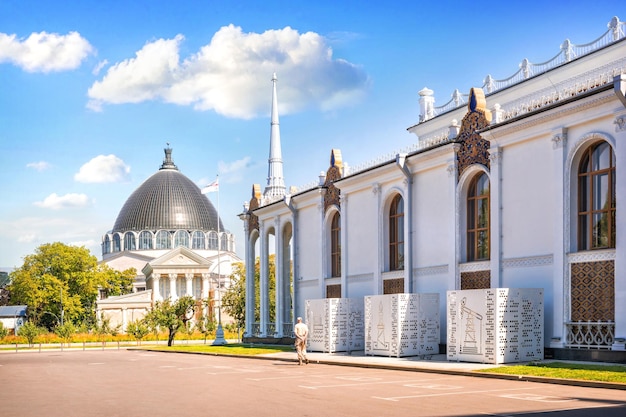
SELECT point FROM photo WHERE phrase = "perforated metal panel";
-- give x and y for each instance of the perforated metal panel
(402, 324)
(335, 324)
(496, 325)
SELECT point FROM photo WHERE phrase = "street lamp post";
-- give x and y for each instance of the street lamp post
(219, 333)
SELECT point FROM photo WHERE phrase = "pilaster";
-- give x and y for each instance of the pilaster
(620, 231)
(559, 146)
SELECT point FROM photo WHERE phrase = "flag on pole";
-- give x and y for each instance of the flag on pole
(211, 188)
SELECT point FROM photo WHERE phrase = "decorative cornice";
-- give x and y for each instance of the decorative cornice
(376, 188)
(529, 261)
(548, 116)
(430, 270)
(393, 274)
(360, 278)
(591, 256)
(475, 266)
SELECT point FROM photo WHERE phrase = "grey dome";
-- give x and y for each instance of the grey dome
(167, 200)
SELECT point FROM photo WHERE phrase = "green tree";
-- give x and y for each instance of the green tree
(64, 280)
(234, 299)
(30, 331)
(3, 331)
(173, 315)
(138, 329)
(65, 332)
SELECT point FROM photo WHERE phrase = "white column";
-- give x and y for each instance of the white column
(278, 250)
(620, 231)
(205, 285)
(156, 291)
(250, 277)
(454, 225)
(495, 216)
(343, 238)
(264, 255)
(173, 294)
(559, 263)
(124, 319)
(189, 284)
(324, 260)
(380, 240)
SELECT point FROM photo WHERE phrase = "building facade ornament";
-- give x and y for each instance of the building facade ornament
(620, 123)
(559, 139)
(474, 149)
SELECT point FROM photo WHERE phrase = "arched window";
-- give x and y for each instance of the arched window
(224, 242)
(396, 234)
(106, 245)
(163, 240)
(145, 240)
(335, 245)
(213, 240)
(197, 241)
(596, 198)
(129, 241)
(478, 219)
(181, 238)
(117, 243)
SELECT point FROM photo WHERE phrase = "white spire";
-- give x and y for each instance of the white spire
(275, 181)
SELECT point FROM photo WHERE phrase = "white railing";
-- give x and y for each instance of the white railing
(527, 69)
(590, 334)
(256, 329)
(288, 329)
(587, 81)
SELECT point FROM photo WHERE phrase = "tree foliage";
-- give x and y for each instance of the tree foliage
(138, 329)
(3, 331)
(30, 331)
(234, 299)
(64, 281)
(172, 316)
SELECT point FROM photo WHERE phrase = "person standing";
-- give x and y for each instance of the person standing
(301, 330)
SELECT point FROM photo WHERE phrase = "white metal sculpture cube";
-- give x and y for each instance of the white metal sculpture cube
(335, 324)
(400, 325)
(496, 325)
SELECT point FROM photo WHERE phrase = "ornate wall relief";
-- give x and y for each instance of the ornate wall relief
(474, 149)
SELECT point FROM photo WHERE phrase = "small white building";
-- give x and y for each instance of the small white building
(13, 317)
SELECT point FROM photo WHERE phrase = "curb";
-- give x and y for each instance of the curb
(478, 374)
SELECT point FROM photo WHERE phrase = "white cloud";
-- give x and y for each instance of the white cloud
(103, 169)
(58, 202)
(231, 75)
(39, 166)
(45, 52)
(99, 67)
(236, 166)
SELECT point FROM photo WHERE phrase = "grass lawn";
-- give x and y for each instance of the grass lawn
(229, 349)
(566, 370)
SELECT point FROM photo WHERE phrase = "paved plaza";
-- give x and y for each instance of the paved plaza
(144, 383)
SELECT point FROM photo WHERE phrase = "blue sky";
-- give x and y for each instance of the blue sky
(91, 92)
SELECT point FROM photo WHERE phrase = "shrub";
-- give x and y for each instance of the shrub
(30, 331)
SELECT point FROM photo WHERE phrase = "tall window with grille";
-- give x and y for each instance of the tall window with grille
(335, 245)
(396, 234)
(596, 198)
(478, 219)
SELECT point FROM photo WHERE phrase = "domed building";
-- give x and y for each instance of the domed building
(172, 235)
